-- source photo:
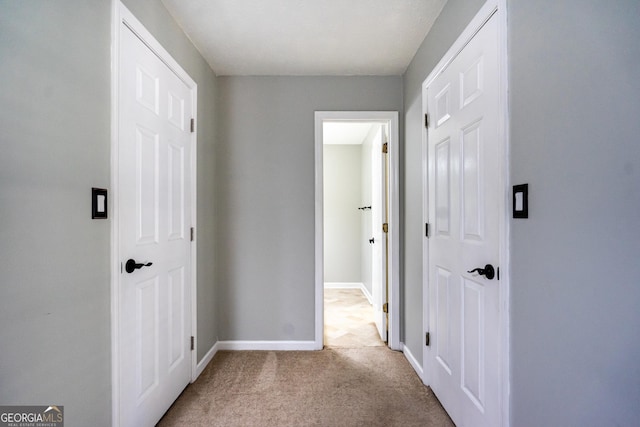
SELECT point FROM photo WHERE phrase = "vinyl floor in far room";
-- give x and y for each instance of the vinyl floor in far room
(348, 320)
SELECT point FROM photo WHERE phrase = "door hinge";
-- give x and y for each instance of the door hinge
(426, 229)
(385, 228)
(193, 233)
(193, 125)
(426, 120)
(193, 343)
(427, 339)
(385, 148)
(385, 307)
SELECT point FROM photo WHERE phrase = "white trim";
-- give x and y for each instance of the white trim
(343, 285)
(478, 21)
(426, 374)
(390, 118)
(205, 360)
(267, 345)
(367, 294)
(115, 220)
(491, 7)
(122, 16)
(504, 127)
(413, 361)
(319, 237)
(194, 241)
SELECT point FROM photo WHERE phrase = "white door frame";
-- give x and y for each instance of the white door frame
(386, 117)
(490, 8)
(122, 16)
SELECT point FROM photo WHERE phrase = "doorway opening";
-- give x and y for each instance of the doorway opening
(356, 229)
(354, 247)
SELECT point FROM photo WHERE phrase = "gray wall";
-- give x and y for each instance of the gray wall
(54, 260)
(454, 17)
(574, 102)
(265, 163)
(342, 219)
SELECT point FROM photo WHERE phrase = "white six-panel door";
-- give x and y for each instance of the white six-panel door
(464, 214)
(154, 227)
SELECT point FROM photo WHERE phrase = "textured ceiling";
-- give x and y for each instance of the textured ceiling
(306, 37)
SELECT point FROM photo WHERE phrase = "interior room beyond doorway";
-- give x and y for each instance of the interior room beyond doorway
(354, 248)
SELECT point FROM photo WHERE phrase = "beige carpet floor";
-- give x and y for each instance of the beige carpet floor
(341, 387)
(355, 381)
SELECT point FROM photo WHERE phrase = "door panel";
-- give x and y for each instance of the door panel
(463, 194)
(443, 310)
(147, 330)
(473, 341)
(442, 187)
(472, 188)
(176, 191)
(176, 331)
(154, 204)
(146, 185)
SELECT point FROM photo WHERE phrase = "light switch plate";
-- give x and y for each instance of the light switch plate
(521, 201)
(99, 206)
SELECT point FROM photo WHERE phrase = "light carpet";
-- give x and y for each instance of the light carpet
(370, 386)
(355, 381)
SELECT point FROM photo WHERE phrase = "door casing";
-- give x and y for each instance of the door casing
(489, 9)
(390, 118)
(122, 16)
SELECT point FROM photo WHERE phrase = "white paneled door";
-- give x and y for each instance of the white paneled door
(154, 158)
(464, 214)
(379, 209)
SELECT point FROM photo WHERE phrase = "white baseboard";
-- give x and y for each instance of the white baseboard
(206, 359)
(343, 285)
(350, 285)
(413, 362)
(283, 346)
(267, 345)
(367, 294)
(251, 345)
